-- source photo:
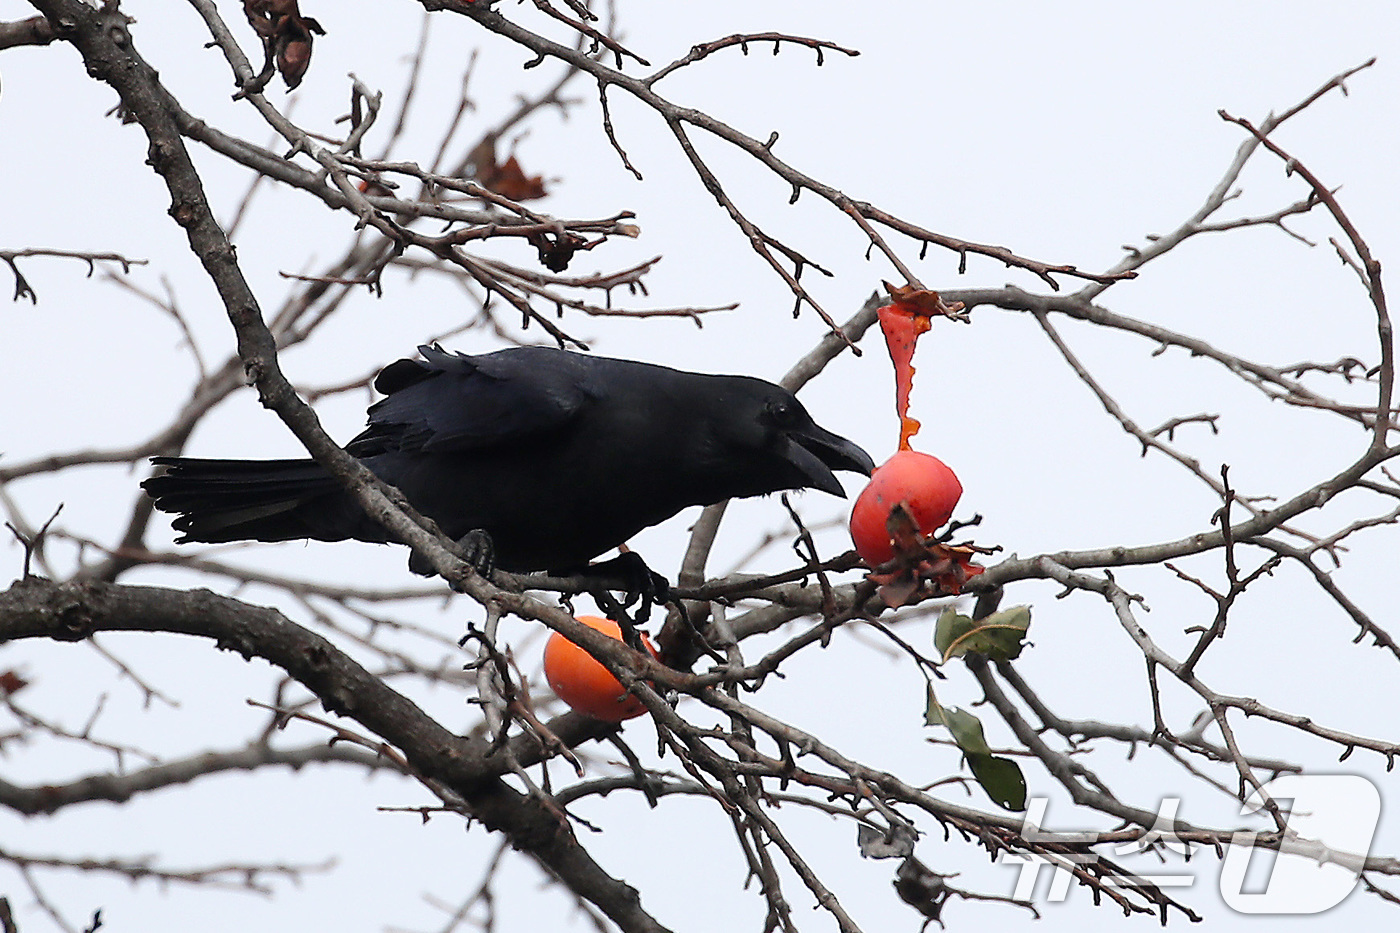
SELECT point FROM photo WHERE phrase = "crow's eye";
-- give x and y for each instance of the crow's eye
(783, 413)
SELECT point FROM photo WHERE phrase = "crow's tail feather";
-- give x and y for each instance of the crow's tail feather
(255, 500)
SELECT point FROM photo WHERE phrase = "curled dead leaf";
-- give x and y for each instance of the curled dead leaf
(286, 36)
(922, 567)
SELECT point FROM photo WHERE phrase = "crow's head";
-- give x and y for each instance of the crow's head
(785, 447)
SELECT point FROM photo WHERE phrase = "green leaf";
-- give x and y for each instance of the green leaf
(967, 731)
(933, 713)
(1001, 778)
(951, 626)
(1000, 636)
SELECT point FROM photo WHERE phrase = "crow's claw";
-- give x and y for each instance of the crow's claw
(640, 584)
(476, 549)
(480, 551)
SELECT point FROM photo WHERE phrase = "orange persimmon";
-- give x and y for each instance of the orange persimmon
(585, 685)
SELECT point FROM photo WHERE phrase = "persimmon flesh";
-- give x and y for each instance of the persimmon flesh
(585, 685)
(925, 485)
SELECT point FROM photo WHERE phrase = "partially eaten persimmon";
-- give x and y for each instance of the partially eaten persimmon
(927, 488)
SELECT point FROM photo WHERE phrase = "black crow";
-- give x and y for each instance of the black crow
(556, 456)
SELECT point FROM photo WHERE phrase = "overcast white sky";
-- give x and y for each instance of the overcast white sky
(1062, 131)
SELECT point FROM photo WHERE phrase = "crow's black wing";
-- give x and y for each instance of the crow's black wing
(454, 402)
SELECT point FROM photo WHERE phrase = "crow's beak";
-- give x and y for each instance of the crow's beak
(816, 452)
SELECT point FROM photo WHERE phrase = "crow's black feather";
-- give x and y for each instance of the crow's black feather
(557, 456)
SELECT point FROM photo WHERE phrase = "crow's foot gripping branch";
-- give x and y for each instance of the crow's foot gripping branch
(628, 574)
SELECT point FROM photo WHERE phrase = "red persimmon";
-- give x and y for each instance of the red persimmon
(925, 485)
